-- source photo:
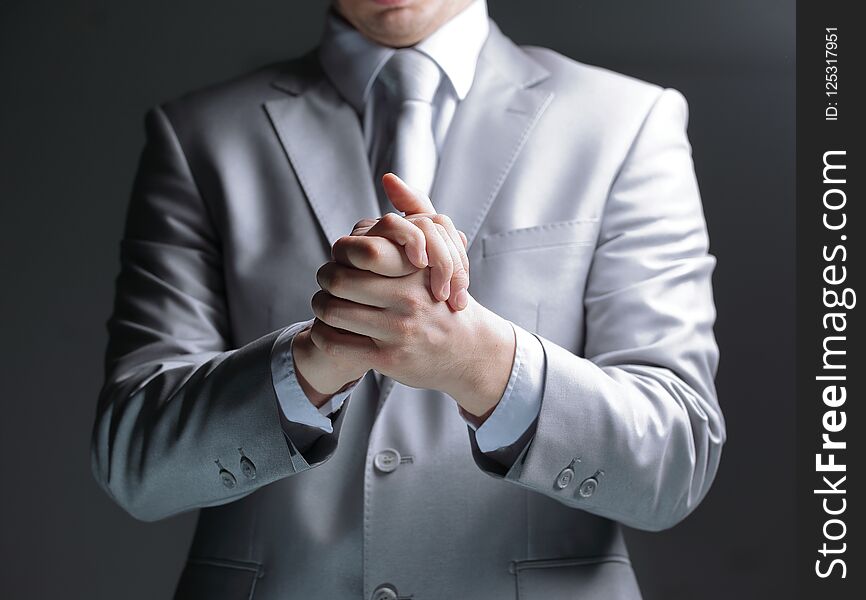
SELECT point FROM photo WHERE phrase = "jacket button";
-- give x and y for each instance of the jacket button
(384, 592)
(564, 478)
(387, 461)
(227, 478)
(587, 487)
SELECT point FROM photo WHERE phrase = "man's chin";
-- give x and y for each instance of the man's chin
(396, 28)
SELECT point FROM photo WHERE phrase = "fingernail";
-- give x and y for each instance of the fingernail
(446, 290)
(424, 260)
(462, 299)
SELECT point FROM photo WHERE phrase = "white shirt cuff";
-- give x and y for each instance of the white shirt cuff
(521, 401)
(293, 402)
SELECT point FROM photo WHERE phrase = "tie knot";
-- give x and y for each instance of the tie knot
(411, 75)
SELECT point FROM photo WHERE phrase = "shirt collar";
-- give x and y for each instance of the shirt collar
(456, 45)
(352, 62)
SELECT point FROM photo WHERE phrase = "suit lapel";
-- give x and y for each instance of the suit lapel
(485, 138)
(488, 132)
(321, 135)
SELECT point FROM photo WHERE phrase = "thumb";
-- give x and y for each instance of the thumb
(404, 197)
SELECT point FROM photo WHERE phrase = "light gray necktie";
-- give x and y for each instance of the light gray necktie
(412, 79)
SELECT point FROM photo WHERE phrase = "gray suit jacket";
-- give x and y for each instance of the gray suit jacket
(576, 190)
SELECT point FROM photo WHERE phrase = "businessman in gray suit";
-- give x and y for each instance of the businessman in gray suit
(372, 395)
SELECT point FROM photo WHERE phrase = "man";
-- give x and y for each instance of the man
(352, 421)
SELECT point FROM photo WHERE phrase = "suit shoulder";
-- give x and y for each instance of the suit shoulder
(226, 101)
(569, 76)
(567, 70)
(614, 104)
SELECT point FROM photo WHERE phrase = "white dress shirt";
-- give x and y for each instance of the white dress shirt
(352, 63)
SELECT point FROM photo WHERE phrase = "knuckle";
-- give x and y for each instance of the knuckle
(418, 240)
(430, 337)
(390, 219)
(460, 282)
(444, 220)
(445, 264)
(341, 244)
(410, 303)
(404, 326)
(361, 252)
(368, 252)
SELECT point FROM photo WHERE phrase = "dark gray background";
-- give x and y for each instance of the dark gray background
(77, 77)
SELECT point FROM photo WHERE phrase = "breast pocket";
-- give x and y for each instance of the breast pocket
(538, 275)
(601, 578)
(560, 235)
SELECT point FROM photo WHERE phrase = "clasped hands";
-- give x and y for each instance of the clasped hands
(394, 299)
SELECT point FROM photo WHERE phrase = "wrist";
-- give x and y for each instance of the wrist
(483, 380)
(318, 375)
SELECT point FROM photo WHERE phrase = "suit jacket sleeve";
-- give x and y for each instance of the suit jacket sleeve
(185, 420)
(638, 414)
